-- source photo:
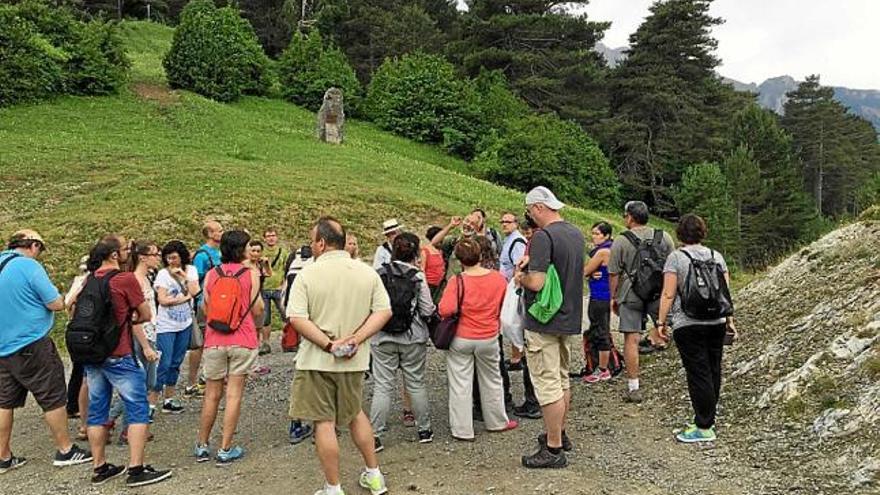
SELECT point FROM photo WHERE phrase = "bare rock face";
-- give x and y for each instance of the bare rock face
(331, 117)
(807, 369)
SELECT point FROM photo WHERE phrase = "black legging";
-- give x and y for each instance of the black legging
(73, 386)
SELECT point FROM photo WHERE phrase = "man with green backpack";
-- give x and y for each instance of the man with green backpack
(553, 289)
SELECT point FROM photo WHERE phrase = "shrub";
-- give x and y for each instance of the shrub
(30, 66)
(704, 191)
(419, 96)
(215, 53)
(97, 63)
(45, 51)
(544, 150)
(307, 69)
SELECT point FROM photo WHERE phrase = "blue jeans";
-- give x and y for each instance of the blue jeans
(173, 346)
(128, 378)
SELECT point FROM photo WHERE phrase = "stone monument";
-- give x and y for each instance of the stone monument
(331, 117)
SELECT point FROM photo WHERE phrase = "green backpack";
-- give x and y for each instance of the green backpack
(549, 299)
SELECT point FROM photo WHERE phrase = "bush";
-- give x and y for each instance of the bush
(307, 69)
(45, 51)
(420, 97)
(215, 53)
(544, 150)
(30, 67)
(704, 191)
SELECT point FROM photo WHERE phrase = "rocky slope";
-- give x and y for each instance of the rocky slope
(802, 389)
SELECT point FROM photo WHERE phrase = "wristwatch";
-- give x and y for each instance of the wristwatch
(328, 346)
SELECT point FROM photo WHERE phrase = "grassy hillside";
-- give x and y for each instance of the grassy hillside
(151, 163)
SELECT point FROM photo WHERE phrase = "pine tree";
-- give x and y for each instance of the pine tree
(704, 191)
(775, 214)
(668, 107)
(369, 31)
(544, 51)
(837, 151)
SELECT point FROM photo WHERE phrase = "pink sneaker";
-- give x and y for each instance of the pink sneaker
(598, 375)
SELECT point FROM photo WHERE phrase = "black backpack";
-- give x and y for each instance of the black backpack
(705, 294)
(647, 273)
(402, 287)
(92, 332)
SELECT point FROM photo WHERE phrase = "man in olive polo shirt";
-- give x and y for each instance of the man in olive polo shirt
(336, 304)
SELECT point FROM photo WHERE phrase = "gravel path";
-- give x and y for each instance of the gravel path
(619, 449)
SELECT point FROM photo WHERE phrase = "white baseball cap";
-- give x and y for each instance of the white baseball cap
(544, 196)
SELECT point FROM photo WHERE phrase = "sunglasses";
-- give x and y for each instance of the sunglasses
(508, 221)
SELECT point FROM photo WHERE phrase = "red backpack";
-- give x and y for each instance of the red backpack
(224, 311)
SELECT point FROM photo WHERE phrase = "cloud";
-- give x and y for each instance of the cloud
(768, 38)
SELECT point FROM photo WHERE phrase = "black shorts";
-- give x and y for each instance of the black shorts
(37, 369)
(599, 313)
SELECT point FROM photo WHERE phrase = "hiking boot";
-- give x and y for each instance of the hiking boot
(544, 459)
(633, 396)
(202, 453)
(374, 483)
(228, 456)
(12, 463)
(409, 419)
(172, 406)
(529, 411)
(377, 445)
(696, 435)
(106, 473)
(74, 456)
(566, 442)
(145, 475)
(598, 375)
(299, 432)
(426, 436)
(265, 348)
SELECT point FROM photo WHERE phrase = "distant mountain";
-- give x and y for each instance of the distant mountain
(771, 93)
(612, 55)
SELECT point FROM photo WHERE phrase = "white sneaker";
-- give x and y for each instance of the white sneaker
(376, 483)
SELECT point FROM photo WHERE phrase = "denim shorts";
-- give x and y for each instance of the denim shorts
(269, 297)
(129, 379)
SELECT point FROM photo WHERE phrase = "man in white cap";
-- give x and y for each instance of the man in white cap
(558, 246)
(29, 361)
(391, 229)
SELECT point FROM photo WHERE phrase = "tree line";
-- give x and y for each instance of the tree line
(505, 83)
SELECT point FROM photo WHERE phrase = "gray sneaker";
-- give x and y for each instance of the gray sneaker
(633, 396)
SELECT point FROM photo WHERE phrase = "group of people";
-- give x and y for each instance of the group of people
(352, 322)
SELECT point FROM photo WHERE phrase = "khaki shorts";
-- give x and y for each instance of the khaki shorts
(549, 358)
(220, 362)
(326, 396)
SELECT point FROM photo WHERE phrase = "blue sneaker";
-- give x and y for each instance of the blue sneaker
(696, 435)
(227, 457)
(299, 432)
(202, 453)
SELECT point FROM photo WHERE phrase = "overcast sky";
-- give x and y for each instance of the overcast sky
(838, 39)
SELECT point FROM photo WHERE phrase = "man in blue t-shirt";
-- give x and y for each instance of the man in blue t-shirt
(205, 258)
(29, 361)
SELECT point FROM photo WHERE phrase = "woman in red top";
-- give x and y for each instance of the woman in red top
(475, 347)
(432, 263)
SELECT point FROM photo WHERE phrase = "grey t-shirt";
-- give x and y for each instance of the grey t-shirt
(679, 264)
(568, 258)
(623, 259)
(423, 306)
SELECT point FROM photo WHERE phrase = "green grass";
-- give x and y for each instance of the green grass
(79, 167)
